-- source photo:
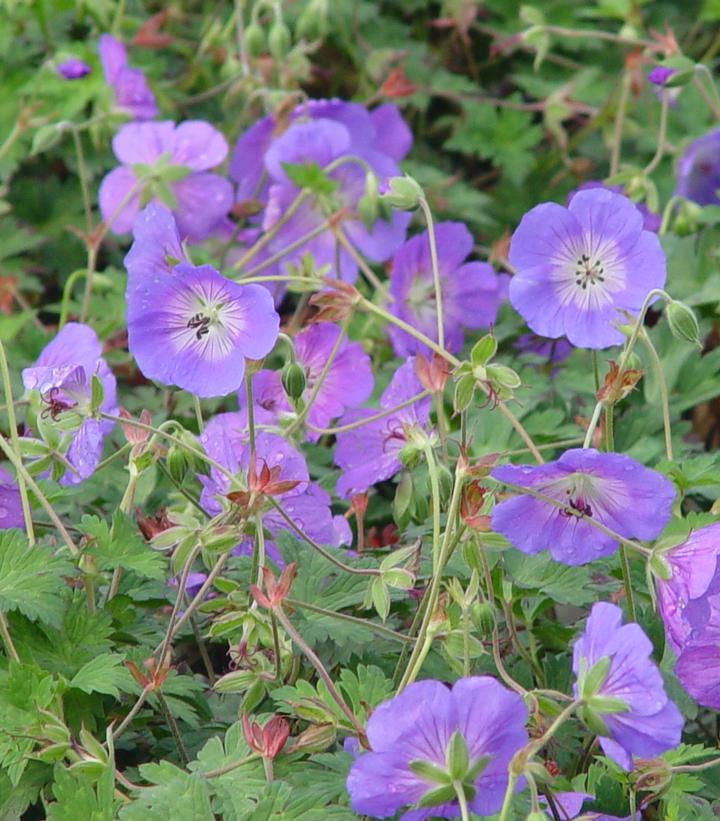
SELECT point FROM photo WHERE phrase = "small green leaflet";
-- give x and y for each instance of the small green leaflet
(122, 546)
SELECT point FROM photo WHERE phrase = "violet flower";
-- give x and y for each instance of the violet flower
(698, 668)
(698, 170)
(613, 489)
(682, 598)
(194, 328)
(155, 251)
(72, 69)
(319, 142)
(226, 440)
(371, 453)
(132, 95)
(381, 131)
(469, 291)
(578, 268)
(11, 512)
(347, 384)
(569, 805)
(625, 702)
(413, 736)
(62, 375)
(169, 163)
(651, 220)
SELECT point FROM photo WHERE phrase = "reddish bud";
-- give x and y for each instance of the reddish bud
(134, 434)
(618, 385)
(434, 373)
(269, 740)
(8, 285)
(277, 591)
(337, 304)
(397, 84)
(149, 34)
(150, 526)
(359, 503)
(471, 503)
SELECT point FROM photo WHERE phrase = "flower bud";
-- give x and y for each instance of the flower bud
(279, 40)
(402, 501)
(314, 740)
(368, 204)
(537, 815)
(177, 463)
(293, 380)
(312, 21)
(254, 40)
(482, 616)
(405, 193)
(683, 323)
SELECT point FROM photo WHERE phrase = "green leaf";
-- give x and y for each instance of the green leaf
(564, 584)
(591, 681)
(122, 546)
(31, 579)
(100, 675)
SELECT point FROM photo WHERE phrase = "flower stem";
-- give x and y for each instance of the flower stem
(178, 600)
(12, 424)
(367, 305)
(571, 511)
(357, 571)
(662, 130)
(637, 328)
(174, 731)
(664, 397)
(425, 208)
(619, 122)
(319, 381)
(380, 629)
(10, 650)
(30, 482)
(422, 646)
(321, 671)
(435, 489)
(462, 800)
(373, 418)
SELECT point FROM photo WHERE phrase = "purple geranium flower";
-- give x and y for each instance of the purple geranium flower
(226, 440)
(615, 490)
(155, 251)
(171, 163)
(129, 86)
(62, 375)
(11, 513)
(651, 220)
(698, 667)
(569, 805)
(698, 170)
(470, 291)
(194, 328)
(319, 142)
(578, 267)
(659, 75)
(623, 691)
(371, 453)
(682, 599)
(347, 384)
(410, 735)
(382, 131)
(72, 69)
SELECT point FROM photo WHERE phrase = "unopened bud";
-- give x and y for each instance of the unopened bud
(405, 193)
(311, 22)
(279, 40)
(177, 463)
(314, 740)
(293, 380)
(482, 616)
(254, 40)
(683, 323)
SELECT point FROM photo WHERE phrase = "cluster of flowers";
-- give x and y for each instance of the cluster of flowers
(578, 271)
